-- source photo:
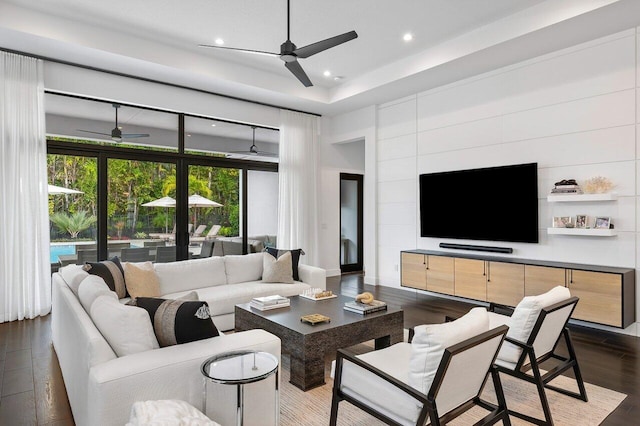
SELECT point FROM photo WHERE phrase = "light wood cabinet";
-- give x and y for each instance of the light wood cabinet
(505, 283)
(600, 296)
(414, 271)
(440, 274)
(540, 279)
(471, 278)
(607, 294)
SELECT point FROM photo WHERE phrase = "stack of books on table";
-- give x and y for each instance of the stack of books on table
(269, 302)
(365, 308)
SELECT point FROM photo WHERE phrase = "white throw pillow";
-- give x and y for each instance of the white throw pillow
(73, 275)
(524, 317)
(127, 329)
(430, 341)
(243, 268)
(91, 288)
(277, 270)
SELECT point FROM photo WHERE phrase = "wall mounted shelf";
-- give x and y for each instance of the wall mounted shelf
(582, 232)
(582, 198)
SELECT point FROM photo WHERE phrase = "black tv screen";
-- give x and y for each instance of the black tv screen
(492, 204)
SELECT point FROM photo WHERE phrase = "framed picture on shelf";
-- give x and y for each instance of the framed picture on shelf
(603, 222)
(562, 222)
(582, 221)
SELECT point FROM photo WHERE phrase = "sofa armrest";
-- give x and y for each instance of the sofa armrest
(314, 276)
(171, 372)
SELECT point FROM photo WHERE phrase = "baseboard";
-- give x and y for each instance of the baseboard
(333, 272)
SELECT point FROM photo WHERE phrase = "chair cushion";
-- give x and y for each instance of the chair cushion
(244, 267)
(430, 341)
(295, 258)
(127, 329)
(190, 274)
(167, 412)
(524, 317)
(73, 275)
(277, 270)
(111, 272)
(90, 289)
(178, 321)
(141, 279)
(376, 392)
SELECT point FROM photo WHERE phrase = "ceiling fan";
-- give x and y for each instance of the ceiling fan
(253, 149)
(290, 53)
(116, 133)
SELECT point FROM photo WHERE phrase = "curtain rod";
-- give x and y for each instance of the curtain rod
(151, 80)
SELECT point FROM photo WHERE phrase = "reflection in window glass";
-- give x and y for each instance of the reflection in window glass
(262, 210)
(230, 140)
(214, 208)
(88, 121)
(140, 209)
(72, 208)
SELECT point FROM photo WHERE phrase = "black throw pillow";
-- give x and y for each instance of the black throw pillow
(178, 321)
(111, 272)
(295, 258)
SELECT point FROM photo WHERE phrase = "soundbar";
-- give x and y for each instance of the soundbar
(477, 248)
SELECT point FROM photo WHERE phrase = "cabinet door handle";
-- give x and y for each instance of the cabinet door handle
(484, 268)
(488, 272)
(427, 258)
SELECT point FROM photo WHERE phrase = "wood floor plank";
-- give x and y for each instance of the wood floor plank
(51, 396)
(17, 381)
(15, 360)
(18, 409)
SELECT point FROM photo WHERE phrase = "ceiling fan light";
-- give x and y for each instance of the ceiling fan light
(407, 37)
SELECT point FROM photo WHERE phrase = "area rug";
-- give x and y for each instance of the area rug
(312, 408)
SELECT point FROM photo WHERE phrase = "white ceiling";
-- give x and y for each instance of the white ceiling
(452, 39)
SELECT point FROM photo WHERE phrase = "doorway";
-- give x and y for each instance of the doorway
(351, 211)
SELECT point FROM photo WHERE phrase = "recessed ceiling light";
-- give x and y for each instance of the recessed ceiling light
(213, 125)
(188, 135)
(327, 73)
(219, 41)
(408, 37)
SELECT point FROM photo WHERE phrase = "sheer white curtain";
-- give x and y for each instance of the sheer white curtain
(298, 193)
(25, 272)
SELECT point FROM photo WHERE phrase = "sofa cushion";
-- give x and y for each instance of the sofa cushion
(127, 329)
(111, 272)
(73, 275)
(524, 317)
(141, 279)
(430, 341)
(190, 274)
(277, 270)
(178, 321)
(295, 258)
(90, 289)
(242, 268)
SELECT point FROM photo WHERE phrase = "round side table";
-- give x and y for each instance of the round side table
(239, 368)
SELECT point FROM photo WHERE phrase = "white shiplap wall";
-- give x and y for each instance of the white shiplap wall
(574, 112)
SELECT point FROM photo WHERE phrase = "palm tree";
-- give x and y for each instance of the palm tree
(73, 223)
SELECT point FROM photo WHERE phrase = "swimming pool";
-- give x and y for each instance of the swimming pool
(56, 250)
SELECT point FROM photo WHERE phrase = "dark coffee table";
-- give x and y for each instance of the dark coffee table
(308, 344)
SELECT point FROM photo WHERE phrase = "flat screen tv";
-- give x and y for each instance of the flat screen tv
(491, 204)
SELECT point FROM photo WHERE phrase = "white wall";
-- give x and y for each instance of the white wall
(574, 112)
(262, 208)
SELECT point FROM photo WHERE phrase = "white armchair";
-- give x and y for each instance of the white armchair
(407, 383)
(535, 328)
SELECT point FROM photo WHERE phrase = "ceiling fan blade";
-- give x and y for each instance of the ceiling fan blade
(95, 133)
(312, 49)
(258, 52)
(296, 69)
(135, 135)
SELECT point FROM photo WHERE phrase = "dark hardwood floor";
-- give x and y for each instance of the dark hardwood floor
(33, 391)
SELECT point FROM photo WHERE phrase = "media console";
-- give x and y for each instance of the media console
(607, 294)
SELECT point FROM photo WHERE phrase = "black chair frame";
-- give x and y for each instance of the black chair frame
(542, 380)
(429, 409)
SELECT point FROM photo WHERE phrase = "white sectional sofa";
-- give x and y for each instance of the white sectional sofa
(102, 387)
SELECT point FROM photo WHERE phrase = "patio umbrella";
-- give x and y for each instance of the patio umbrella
(165, 202)
(62, 190)
(197, 200)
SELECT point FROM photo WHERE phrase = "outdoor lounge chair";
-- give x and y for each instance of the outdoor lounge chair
(211, 235)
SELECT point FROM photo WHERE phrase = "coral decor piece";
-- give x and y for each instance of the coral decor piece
(597, 185)
(365, 297)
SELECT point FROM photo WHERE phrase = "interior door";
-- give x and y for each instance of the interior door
(351, 196)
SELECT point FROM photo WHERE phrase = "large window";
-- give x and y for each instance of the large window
(73, 208)
(147, 191)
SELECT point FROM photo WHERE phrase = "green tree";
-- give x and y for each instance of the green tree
(73, 223)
